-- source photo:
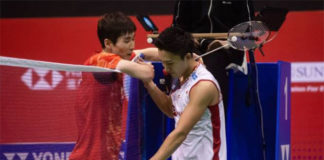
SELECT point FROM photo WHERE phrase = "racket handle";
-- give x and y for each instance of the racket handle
(199, 35)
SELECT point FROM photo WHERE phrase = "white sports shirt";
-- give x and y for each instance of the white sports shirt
(207, 139)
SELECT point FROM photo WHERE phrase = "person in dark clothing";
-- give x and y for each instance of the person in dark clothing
(214, 16)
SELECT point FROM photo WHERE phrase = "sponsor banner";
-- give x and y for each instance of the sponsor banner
(307, 87)
(307, 77)
(310, 72)
(36, 151)
(37, 105)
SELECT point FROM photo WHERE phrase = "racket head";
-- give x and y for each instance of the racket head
(248, 35)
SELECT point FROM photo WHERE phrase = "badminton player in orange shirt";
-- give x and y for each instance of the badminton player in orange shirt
(101, 106)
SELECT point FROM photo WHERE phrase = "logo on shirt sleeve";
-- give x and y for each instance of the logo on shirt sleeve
(194, 75)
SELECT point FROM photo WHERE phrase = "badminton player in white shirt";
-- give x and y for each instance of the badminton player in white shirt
(195, 102)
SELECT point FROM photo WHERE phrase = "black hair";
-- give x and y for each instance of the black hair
(113, 25)
(176, 41)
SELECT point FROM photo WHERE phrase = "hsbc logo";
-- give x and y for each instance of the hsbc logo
(285, 151)
(41, 79)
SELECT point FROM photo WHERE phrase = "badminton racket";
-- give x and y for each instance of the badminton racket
(245, 36)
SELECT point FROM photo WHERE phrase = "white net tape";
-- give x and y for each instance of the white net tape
(18, 62)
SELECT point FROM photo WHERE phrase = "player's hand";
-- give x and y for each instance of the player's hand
(150, 68)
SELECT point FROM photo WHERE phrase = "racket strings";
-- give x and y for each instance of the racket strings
(248, 35)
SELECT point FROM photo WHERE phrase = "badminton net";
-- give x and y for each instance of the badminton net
(40, 101)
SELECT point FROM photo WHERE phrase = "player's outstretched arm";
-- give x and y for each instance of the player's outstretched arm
(150, 54)
(143, 71)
